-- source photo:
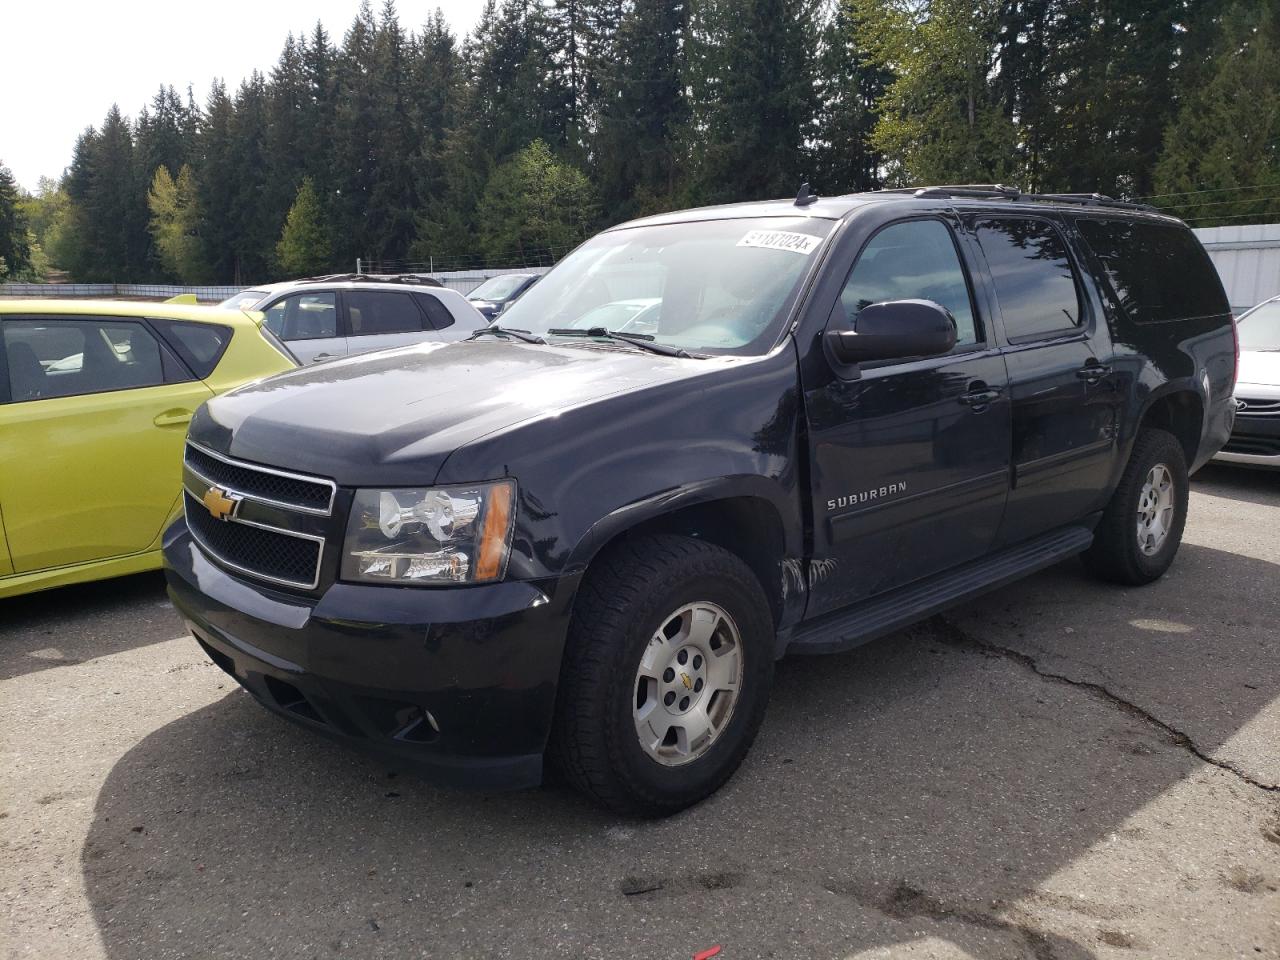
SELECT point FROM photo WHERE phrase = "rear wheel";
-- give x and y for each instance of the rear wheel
(666, 675)
(1141, 529)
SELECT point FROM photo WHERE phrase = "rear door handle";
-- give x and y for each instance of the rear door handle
(321, 356)
(172, 418)
(1093, 372)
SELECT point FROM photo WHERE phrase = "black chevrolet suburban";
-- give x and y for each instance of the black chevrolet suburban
(703, 441)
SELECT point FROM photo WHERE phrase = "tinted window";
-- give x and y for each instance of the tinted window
(62, 358)
(437, 312)
(1156, 271)
(200, 345)
(304, 316)
(375, 311)
(1034, 281)
(911, 261)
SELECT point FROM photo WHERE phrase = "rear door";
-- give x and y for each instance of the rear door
(380, 319)
(309, 323)
(910, 458)
(90, 438)
(1063, 393)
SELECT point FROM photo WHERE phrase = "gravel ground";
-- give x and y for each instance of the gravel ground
(1060, 770)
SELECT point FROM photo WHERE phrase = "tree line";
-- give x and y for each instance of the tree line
(554, 118)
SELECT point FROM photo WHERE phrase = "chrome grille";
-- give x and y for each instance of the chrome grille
(265, 484)
(1249, 407)
(270, 554)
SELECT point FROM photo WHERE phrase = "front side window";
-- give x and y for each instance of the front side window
(1157, 271)
(915, 260)
(63, 358)
(1034, 280)
(375, 312)
(304, 316)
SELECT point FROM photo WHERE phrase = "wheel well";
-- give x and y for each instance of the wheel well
(746, 526)
(1181, 414)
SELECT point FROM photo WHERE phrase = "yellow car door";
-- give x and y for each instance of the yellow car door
(91, 438)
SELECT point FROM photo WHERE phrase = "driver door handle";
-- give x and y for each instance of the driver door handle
(321, 356)
(172, 418)
(980, 396)
(1093, 372)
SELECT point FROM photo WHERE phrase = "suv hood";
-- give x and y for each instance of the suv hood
(1259, 368)
(394, 417)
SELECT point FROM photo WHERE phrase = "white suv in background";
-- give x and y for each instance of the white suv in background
(1255, 438)
(322, 318)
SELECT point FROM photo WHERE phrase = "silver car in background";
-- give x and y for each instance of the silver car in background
(323, 318)
(1255, 439)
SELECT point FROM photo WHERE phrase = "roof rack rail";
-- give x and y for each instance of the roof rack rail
(409, 278)
(998, 191)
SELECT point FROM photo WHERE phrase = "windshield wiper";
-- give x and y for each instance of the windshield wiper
(639, 339)
(524, 335)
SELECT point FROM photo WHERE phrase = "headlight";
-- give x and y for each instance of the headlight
(440, 535)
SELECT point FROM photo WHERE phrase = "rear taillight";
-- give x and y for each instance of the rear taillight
(1235, 338)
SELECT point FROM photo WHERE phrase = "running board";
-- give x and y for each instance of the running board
(846, 629)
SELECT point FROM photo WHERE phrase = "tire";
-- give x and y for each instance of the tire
(622, 673)
(1118, 554)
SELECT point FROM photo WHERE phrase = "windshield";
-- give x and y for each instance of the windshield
(711, 286)
(1260, 329)
(497, 288)
(244, 300)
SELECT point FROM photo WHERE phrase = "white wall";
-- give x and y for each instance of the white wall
(1248, 261)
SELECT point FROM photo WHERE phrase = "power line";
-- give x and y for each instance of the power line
(1214, 203)
(1191, 193)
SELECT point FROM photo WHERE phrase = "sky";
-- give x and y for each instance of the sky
(64, 62)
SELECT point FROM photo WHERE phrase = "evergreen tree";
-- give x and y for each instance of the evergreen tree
(641, 111)
(751, 72)
(535, 208)
(941, 119)
(15, 238)
(175, 224)
(304, 248)
(850, 87)
(217, 186)
(1221, 158)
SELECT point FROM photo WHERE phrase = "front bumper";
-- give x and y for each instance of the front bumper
(1254, 441)
(458, 684)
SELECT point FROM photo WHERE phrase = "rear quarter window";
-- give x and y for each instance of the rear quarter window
(436, 311)
(1157, 272)
(200, 345)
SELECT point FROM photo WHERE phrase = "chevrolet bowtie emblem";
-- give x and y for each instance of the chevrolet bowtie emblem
(219, 503)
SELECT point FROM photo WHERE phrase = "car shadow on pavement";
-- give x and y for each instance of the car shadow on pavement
(927, 784)
(70, 625)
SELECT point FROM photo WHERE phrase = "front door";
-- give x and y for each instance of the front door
(1063, 402)
(308, 323)
(910, 458)
(90, 440)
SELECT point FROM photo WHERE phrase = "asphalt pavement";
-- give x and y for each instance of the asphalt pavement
(1058, 771)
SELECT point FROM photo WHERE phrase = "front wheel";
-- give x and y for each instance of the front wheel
(666, 675)
(1141, 528)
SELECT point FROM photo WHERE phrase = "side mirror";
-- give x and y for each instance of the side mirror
(895, 329)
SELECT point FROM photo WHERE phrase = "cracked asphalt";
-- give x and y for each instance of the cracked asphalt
(1059, 770)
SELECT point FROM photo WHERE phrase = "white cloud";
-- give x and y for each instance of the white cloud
(65, 62)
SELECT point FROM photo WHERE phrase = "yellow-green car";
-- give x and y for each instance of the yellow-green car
(94, 403)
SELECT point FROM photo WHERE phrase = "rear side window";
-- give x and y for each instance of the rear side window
(1157, 271)
(64, 358)
(1035, 283)
(437, 312)
(200, 345)
(375, 312)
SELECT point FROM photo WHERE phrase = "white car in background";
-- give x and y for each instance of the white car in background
(1255, 439)
(323, 318)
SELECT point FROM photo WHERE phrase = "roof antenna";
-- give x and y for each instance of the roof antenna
(805, 196)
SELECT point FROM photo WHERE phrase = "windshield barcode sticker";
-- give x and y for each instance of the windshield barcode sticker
(800, 243)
